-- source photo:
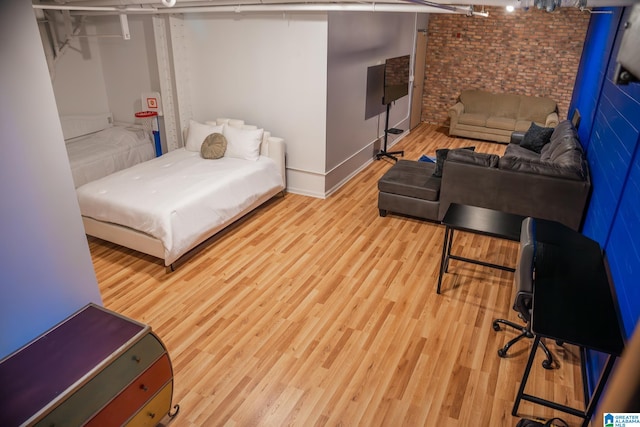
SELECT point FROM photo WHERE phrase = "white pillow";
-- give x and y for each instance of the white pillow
(243, 143)
(236, 123)
(197, 133)
(75, 126)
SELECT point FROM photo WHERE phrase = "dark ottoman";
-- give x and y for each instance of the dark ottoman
(409, 188)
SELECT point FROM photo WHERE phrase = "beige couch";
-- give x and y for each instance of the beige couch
(493, 117)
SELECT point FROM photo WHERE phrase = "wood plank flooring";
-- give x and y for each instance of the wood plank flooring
(320, 312)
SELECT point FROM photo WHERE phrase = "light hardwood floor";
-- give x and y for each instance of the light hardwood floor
(320, 312)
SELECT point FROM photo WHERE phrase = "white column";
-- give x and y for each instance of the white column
(173, 137)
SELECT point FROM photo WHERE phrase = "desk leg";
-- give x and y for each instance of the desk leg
(444, 260)
(450, 242)
(593, 401)
(525, 377)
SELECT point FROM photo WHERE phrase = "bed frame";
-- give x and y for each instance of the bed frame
(272, 147)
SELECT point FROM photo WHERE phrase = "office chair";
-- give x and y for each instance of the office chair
(524, 279)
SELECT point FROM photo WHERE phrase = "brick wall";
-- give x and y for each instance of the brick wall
(525, 52)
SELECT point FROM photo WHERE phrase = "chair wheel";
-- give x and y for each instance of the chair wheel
(496, 326)
(546, 364)
(502, 353)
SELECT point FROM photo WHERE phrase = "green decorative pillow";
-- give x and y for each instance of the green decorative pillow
(214, 146)
(536, 137)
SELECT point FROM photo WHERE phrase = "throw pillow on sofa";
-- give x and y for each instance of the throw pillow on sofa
(441, 156)
(536, 137)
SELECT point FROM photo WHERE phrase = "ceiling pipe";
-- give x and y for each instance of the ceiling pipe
(477, 3)
(156, 4)
(467, 10)
(281, 7)
(308, 7)
(77, 8)
(410, 6)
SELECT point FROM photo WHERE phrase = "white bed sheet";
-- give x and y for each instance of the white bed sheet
(103, 153)
(179, 197)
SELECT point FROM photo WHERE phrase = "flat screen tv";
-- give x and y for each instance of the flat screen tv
(396, 78)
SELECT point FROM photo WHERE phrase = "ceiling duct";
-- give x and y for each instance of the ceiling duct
(548, 5)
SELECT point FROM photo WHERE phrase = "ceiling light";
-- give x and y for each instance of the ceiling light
(169, 3)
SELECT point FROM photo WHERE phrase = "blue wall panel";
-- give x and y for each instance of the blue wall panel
(611, 119)
(623, 250)
(592, 70)
(607, 159)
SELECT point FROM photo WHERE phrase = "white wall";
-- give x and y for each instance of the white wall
(300, 75)
(130, 66)
(47, 273)
(358, 40)
(271, 70)
(78, 81)
(104, 73)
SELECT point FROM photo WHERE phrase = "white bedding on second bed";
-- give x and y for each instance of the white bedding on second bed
(179, 197)
(103, 153)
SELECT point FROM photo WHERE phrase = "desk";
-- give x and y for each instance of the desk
(572, 302)
(572, 297)
(472, 219)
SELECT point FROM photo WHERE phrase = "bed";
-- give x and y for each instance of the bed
(169, 205)
(97, 148)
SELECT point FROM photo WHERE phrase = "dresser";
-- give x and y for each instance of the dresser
(95, 368)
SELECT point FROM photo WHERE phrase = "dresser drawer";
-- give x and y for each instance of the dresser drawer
(40, 375)
(96, 393)
(155, 410)
(135, 395)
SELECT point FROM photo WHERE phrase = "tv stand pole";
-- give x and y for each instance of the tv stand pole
(387, 131)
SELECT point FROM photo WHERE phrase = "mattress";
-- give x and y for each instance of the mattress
(179, 197)
(102, 153)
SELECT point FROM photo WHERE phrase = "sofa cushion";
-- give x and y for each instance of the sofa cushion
(412, 179)
(557, 150)
(473, 119)
(471, 157)
(504, 105)
(536, 137)
(522, 125)
(515, 150)
(563, 139)
(569, 170)
(501, 123)
(536, 108)
(563, 130)
(475, 101)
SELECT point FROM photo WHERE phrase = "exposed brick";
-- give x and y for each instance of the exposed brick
(525, 52)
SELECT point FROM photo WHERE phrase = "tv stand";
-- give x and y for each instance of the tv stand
(384, 153)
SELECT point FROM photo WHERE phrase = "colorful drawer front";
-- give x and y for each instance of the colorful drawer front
(94, 395)
(135, 395)
(155, 410)
(40, 375)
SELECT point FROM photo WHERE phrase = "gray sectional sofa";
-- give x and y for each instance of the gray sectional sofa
(553, 184)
